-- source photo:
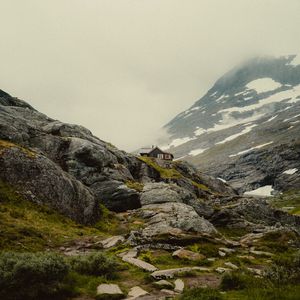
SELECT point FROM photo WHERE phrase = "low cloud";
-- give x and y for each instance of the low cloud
(125, 68)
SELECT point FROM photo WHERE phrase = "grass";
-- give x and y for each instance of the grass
(4, 145)
(134, 185)
(164, 172)
(170, 173)
(271, 293)
(25, 226)
(288, 199)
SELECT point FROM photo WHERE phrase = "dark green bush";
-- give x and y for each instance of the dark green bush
(285, 270)
(30, 276)
(240, 280)
(201, 294)
(96, 264)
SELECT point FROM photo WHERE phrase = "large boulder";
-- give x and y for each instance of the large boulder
(175, 219)
(116, 196)
(42, 181)
(161, 192)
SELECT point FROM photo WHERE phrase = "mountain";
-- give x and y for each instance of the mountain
(165, 218)
(245, 129)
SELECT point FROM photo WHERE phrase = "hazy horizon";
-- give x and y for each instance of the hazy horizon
(123, 69)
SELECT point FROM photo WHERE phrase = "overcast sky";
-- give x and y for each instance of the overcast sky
(124, 68)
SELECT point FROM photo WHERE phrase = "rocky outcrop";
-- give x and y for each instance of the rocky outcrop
(172, 222)
(42, 181)
(245, 129)
(253, 214)
(66, 167)
(73, 171)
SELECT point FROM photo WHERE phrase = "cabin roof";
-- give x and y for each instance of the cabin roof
(145, 150)
(149, 150)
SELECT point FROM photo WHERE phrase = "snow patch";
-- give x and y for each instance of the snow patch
(263, 85)
(227, 122)
(271, 119)
(291, 94)
(250, 149)
(188, 115)
(290, 171)
(234, 136)
(197, 151)
(286, 120)
(223, 180)
(180, 141)
(262, 191)
(296, 61)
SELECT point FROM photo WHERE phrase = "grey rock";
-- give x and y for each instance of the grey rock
(179, 285)
(188, 255)
(112, 290)
(156, 193)
(170, 273)
(40, 180)
(164, 284)
(231, 265)
(116, 195)
(139, 263)
(136, 292)
(261, 253)
(112, 241)
(173, 218)
(222, 270)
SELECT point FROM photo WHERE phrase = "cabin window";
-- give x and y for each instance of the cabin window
(161, 156)
(168, 156)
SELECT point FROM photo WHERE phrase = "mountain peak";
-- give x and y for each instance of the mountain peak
(256, 103)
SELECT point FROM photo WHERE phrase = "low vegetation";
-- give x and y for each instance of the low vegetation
(280, 281)
(31, 276)
(288, 201)
(135, 185)
(7, 145)
(96, 264)
(25, 226)
(167, 173)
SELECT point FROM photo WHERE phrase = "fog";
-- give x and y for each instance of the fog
(124, 68)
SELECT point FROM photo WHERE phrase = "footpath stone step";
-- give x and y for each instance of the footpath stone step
(170, 273)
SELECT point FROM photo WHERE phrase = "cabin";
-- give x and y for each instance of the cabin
(156, 153)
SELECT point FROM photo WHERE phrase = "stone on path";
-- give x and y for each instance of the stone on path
(189, 255)
(163, 284)
(112, 290)
(261, 253)
(221, 270)
(139, 263)
(170, 273)
(112, 241)
(231, 265)
(136, 292)
(227, 250)
(179, 286)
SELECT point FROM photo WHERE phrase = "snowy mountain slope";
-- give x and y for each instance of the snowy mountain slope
(254, 108)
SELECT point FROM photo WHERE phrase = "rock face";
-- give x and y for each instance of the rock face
(110, 290)
(43, 182)
(66, 167)
(173, 219)
(245, 129)
(253, 214)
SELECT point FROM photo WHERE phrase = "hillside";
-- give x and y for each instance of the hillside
(81, 219)
(245, 129)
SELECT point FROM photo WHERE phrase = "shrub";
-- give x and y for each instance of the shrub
(30, 276)
(96, 264)
(240, 280)
(285, 270)
(201, 294)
